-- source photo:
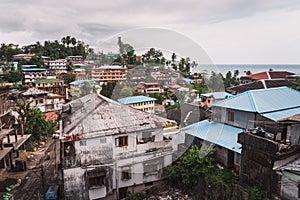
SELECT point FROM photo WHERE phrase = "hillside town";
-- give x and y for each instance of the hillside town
(75, 124)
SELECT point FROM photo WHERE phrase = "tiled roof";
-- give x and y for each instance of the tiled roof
(51, 116)
(263, 100)
(268, 75)
(135, 99)
(279, 74)
(217, 133)
(260, 84)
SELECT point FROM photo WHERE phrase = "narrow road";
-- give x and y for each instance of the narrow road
(41, 177)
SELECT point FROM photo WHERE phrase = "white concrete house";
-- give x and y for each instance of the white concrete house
(110, 149)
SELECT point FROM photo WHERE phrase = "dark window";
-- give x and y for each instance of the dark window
(82, 142)
(126, 174)
(96, 181)
(149, 183)
(96, 177)
(231, 116)
(152, 167)
(122, 141)
(146, 137)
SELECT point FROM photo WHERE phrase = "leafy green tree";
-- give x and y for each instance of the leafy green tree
(24, 110)
(256, 194)
(32, 121)
(69, 77)
(153, 56)
(297, 83)
(86, 89)
(37, 125)
(191, 166)
(107, 90)
(12, 75)
(173, 57)
(215, 82)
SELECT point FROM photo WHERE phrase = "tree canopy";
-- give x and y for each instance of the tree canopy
(67, 46)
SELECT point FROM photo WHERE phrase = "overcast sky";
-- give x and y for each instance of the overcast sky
(230, 31)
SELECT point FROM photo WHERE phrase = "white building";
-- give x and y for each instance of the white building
(59, 65)
(109, 149)
(42, 100)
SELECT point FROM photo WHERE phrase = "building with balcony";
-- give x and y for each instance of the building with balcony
(30, 75)
(42, 100)
(54, 86)
(58, 66)
(110, 149)
(142, 103)
(138, 73)
(149, 88)
(109, 73)
(19, 57)
(165, 76)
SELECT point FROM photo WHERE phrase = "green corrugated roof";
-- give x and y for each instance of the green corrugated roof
(54, 80)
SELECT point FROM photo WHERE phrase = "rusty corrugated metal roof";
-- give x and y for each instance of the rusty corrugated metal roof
(95, 115)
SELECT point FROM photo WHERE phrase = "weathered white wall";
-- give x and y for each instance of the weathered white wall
(74, 183)
(95, 150)
(97, 193)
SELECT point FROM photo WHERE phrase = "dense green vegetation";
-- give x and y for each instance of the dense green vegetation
(195, 164)
(67, 46)
(32, 121)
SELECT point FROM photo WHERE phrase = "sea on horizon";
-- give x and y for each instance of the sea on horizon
(254, 68)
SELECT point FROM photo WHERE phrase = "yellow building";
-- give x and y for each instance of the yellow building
(55, 86)
(109, 73)
(142, 103)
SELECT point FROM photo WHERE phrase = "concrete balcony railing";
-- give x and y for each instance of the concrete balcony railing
(153, 146)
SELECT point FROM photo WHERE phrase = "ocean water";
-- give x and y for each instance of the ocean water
(254, 68)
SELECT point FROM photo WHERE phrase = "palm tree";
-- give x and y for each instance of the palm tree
(63, 40)
(68, 40)
(24, 110)
(73, 41)
(173, 57)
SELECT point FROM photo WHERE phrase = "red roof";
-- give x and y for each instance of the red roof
(268, 75)
(51, 116)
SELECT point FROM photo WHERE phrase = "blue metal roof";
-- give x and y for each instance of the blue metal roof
(188, 80)
(217, 133)
(263, 100)
(81, 82)
(281, 114)
(135, 99)
(217, 95)
(33, 69)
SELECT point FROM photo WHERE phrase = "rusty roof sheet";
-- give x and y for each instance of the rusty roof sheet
(95, 115)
